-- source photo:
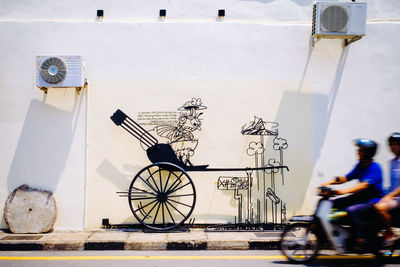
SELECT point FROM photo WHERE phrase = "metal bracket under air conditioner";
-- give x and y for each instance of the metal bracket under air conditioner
(346, 42)
(78, 89)
(315, 40)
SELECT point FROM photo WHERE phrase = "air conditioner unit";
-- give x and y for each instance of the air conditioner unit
(346, 20)
(60, 71)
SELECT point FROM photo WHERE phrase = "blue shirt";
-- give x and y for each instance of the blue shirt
(372, 175)
(394, 174)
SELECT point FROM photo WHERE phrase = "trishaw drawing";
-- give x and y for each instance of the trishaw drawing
(162, 195)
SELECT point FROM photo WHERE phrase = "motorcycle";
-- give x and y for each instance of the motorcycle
(302, 240)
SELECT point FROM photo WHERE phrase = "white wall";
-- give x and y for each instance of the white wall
(257, 61)
(264, 10)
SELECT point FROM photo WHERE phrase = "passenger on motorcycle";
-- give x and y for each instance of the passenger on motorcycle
(392, 199)
(367, 172)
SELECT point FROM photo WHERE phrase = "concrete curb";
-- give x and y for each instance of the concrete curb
(196, 239)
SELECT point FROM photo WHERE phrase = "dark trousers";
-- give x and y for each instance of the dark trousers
(357, 198)
(360, 207)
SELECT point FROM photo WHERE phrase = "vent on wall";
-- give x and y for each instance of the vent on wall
(345, 20)
(60, 71)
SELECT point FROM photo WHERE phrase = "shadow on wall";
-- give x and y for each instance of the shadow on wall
(295, 124)
(304, 119)
(122, 181)
(323, 106)
(44, 145)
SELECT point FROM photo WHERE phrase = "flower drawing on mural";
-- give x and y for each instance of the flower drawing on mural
(255, 148)
(272, 163)
(180, 136)
(280, 143)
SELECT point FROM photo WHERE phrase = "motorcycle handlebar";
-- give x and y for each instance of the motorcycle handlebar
(324, 191)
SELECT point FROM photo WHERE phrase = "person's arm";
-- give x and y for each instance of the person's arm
(357, 188)
(337, 180)
(392, 194)
(395, 192)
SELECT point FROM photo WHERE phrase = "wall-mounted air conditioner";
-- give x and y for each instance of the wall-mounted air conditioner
(60, 71)
(346, 20)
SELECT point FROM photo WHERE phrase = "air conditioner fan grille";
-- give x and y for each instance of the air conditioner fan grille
(335, 19)
(53, 70)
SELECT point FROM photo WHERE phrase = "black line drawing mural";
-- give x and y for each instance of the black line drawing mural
(263, 193)
(181, 137)
(280, 144)
(236, 184)
(260, 127)
(255, 149)
(275, 200)
(162, 195)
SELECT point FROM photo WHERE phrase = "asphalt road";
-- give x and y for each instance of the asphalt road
(204, 258)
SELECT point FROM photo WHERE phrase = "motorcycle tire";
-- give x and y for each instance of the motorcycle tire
(299, 244)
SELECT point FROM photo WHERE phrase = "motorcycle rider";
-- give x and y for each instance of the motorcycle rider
(367, 171)
(392, 199)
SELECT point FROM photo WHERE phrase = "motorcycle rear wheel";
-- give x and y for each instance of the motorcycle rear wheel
(299, 244)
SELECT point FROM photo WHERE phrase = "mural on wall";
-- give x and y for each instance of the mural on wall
(182, 139)
(181, 136)
(162, 195)
(261, 193)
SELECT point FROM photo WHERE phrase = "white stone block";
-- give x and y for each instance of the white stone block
(30, 210)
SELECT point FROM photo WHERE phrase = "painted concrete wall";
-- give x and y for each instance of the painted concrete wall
(256, 62)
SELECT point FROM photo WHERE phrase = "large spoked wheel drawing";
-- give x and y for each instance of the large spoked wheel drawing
(162, 196)
(299, 244)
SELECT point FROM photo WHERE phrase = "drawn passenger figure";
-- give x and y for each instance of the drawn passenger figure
(181, 137)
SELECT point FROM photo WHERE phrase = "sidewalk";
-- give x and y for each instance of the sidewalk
(193, 239)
